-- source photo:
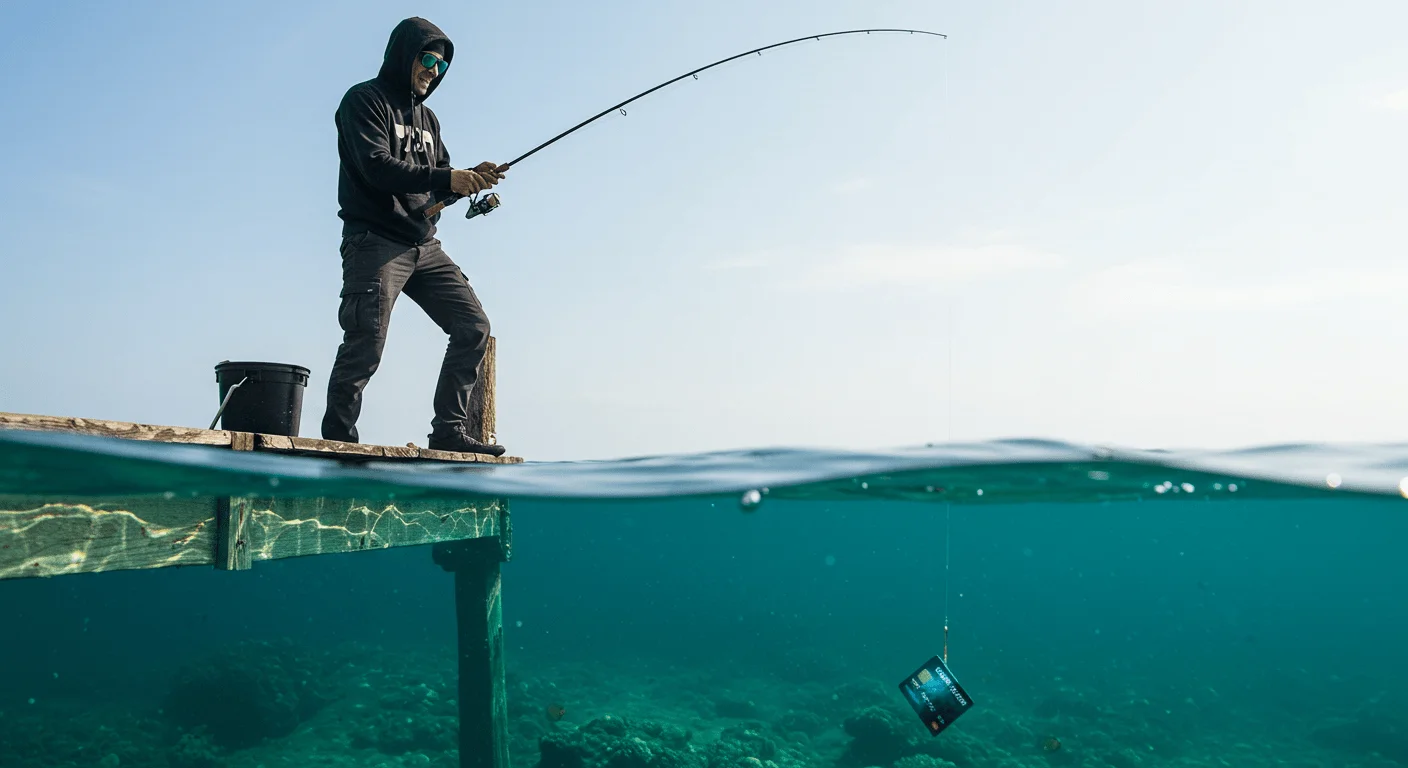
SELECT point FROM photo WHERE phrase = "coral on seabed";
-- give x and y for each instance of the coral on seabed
(878, 737)
(619, 743)
(249, 692)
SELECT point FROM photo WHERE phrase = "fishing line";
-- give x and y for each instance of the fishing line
(952, 330)
(952, 339)
(947, 535)
(491, 201)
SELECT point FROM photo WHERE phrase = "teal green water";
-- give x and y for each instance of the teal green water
(1140, 608)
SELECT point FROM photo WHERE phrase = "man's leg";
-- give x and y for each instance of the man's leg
(440, 288)
(374, 270)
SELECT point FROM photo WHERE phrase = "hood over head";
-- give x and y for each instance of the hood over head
(408, 39)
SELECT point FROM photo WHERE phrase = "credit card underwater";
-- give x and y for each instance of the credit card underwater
(937, 698)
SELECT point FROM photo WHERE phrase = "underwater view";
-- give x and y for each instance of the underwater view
(709, 624)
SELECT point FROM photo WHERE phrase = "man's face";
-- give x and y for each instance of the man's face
(421, 78)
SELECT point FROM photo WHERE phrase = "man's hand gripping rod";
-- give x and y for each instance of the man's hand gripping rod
(477, 205)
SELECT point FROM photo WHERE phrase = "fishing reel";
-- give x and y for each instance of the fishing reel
(478, 205)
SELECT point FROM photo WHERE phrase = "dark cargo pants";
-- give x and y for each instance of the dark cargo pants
(375, 271)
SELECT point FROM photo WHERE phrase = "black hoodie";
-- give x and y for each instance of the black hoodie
(393, 162)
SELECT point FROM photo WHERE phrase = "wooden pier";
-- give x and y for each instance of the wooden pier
(46, 535)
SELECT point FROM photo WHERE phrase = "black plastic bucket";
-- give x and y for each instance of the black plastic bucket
(270, 401)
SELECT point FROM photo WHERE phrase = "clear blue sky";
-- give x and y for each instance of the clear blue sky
(1173, 224)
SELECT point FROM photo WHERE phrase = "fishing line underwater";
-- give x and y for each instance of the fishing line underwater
(483, 205)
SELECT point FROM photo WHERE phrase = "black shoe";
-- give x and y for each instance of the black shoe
(460, 441)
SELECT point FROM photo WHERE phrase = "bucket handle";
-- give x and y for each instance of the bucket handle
(225, 402)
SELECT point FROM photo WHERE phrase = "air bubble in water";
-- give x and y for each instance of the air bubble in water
(1333, 480)
(274, 481)
(750, 500)
(1187, 487)
(830, 559)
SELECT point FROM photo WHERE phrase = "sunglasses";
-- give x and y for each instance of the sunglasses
(431, 61)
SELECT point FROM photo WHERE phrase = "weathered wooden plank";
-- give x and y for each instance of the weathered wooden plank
(427, 453)
(294, 527)
(482, 694)
(232, 520)
(232, 534)
(505, 533)
(122, 429)
(309, 445)
(47, 537)
(243, 441)
(332, 449)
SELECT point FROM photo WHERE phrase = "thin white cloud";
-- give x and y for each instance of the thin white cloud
(1394, 102)
(923, 266)
(1155, 286)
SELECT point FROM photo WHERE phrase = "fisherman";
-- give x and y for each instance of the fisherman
(394, 165)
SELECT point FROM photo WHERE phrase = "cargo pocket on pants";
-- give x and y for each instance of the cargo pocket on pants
(360, 311)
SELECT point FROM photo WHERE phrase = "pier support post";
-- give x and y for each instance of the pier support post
(482, 405)
(483, 701)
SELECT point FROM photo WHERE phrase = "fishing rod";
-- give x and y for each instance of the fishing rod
(491, 201)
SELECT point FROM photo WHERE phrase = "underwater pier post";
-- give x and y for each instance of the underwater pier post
(482, 692)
